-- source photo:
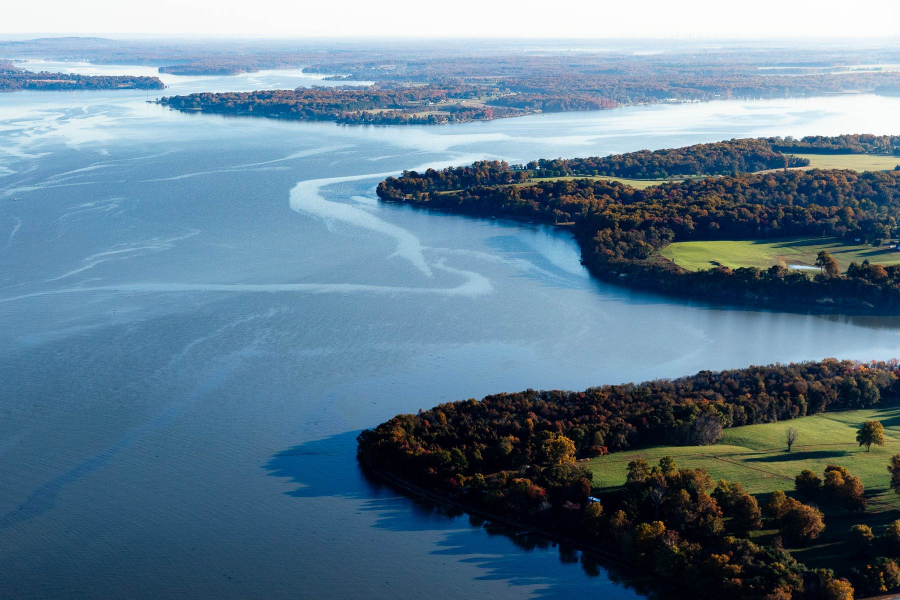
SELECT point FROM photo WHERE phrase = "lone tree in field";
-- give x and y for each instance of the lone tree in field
(872, 432)
(828, 264)
(790, 436)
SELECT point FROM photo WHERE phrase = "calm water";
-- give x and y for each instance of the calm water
(201, 313)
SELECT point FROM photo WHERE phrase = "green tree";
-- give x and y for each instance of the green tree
(872, 432)
(667, 465)
(638, 471)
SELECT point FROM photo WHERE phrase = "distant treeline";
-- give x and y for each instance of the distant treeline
(514, 455)
(213, 66)
(16, 79)
(841, 144)
(621, 229)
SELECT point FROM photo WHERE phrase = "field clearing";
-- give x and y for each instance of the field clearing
(696, 256)
(856, 162)
(756, 456)
(635, 183)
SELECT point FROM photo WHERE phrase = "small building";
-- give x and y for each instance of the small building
(592, 499)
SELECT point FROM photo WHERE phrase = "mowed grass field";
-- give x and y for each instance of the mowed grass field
(756, 456)
(696, 256)
(855, 162)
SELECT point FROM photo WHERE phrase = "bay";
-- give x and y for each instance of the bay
(201, 313)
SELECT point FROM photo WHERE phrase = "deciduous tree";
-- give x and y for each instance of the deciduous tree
(872, 432)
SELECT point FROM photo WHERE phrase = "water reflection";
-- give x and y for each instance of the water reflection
(320, 469)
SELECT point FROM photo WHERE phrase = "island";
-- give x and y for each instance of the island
(376, 105)
(759, 483)
(736, 222)
(12, 79)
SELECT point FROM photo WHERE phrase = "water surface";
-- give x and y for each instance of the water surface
(200, 313)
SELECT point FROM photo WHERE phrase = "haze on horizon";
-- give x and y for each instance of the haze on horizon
(463, 18)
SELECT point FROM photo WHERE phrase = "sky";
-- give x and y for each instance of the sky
(457, 18)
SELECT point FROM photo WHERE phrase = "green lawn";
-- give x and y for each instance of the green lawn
(755, 455)
(696, 256)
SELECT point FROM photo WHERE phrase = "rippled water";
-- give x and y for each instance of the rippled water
(200, 314)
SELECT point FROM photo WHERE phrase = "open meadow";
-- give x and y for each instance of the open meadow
(791, 252)
(855, 162)
(756, 456)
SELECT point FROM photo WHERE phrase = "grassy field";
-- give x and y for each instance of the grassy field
(695, 256)
(756, 456)
(856, 162)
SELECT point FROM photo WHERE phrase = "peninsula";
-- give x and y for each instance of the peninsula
(729, 484)
(735, 222)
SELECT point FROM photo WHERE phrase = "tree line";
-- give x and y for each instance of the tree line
(840, 144)
(720, 158)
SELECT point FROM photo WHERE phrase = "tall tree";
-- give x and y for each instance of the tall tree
(872, 432)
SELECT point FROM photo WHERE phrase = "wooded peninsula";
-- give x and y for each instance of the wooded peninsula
(740, 190)
(526, 460)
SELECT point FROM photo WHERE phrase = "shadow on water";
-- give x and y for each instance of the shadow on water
(327, 468)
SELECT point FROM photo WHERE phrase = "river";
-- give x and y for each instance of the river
(201, 313)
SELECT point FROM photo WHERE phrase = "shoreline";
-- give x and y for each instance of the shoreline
(415, 491)
(628, 280)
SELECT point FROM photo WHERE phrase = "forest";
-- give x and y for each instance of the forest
(621, 229)
(517, 455)
(12, 79)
